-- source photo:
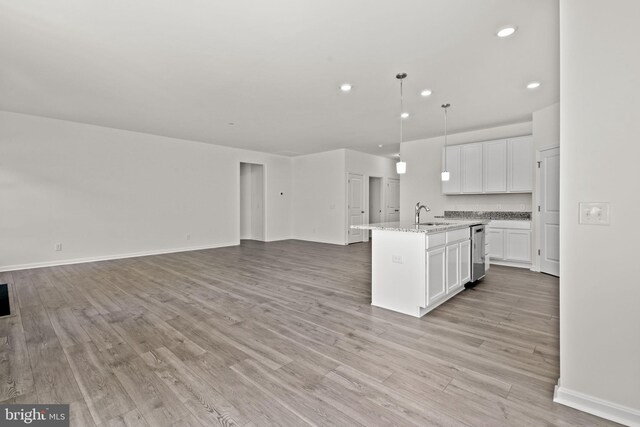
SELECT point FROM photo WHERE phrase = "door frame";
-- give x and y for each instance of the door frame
(264, 198)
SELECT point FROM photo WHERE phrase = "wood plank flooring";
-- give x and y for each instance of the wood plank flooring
(278, 333)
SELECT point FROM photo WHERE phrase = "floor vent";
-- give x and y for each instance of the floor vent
(5, 306)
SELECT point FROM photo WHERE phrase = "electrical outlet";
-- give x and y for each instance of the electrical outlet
(188, 236)
(397, 259)
(58, 247)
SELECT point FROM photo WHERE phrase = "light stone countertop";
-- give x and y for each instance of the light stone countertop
(442, 225)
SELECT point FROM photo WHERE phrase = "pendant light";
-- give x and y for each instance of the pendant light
(401, 167)
(445, 173)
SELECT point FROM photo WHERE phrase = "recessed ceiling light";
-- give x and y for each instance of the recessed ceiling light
(379, 145)
(425, 92)
(345, 87)
(507, 31)
(404, 115)
(533, 85)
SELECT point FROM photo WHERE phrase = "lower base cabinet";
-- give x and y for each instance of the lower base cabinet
(436, 275)
(510, 246)
(448, 269)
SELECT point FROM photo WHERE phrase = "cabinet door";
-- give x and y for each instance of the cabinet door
(471, 168)
(453, 267)
(435, 275)
(496, 243)
(520, 164)
(518, 245)
(495, 166)
(453, 166)
(465, 262)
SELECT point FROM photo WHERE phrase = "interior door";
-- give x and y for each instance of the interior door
(355, 207)
(393, 199)
(550, 211)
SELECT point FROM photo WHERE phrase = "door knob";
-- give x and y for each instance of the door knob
(361, 211)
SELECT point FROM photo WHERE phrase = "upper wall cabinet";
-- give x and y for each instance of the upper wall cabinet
(520, 165)
(495, 166)
(500, 166)
(471, 167)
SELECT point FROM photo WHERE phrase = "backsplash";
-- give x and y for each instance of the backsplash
(489, 215)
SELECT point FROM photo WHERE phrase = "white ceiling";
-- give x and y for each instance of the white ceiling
(188, 68)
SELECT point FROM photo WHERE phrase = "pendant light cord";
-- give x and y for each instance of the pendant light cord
(445, 107)
(401, 110)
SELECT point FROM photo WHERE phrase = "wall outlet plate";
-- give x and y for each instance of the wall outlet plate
(595, 213)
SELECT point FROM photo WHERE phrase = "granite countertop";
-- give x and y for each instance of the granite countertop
(497, 215)
(441, 225)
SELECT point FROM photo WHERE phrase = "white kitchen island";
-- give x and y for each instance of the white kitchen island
(415, 268)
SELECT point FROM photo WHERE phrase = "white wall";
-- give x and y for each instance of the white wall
(599, 270)
(320, 185)
(422, 180)
(105, 192)
(546, 134)
(319, 197)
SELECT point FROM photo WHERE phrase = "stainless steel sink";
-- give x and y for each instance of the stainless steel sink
(433, 223)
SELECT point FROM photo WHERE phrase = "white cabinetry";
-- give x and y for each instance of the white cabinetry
(413, 273)
(495, 166)
(520, 164)
(517, 245)
(453, 267)
(496, 243)
(436, 288)
(510, 243)
(471, 167)
(500, 166)
(453, 167)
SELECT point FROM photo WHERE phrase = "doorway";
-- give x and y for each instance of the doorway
(375, 200)
(550, 211)
(252, 212)
(393, 200)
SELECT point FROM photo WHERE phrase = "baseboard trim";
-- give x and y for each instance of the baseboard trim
(593, 405)
(114, 256)
(510, 264)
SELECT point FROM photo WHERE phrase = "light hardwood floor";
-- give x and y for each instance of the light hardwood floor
(277, 334)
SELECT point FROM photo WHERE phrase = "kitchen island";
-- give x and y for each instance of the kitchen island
(415, 268)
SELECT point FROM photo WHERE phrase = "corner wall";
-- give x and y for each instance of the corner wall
(599, 270)
(108, 193)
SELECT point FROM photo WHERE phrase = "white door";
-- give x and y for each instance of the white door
(393, 200)
(550, 211)
(453, 167)
(375, 200)
(355, 207)
(495, 166)
(471, 167)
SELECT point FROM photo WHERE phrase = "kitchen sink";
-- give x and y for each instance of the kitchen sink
(434, 223)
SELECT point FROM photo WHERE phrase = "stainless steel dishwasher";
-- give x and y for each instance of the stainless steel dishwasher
(477, 253)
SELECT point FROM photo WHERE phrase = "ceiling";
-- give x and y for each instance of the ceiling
(265, 75)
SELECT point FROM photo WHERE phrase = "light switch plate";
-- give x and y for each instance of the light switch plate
(594, 213)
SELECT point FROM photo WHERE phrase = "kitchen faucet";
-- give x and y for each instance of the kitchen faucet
(419, 207)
